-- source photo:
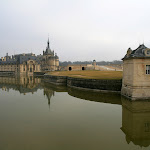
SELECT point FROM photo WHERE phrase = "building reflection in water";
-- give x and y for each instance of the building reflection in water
(49, 93)
(136, 121)
(23, 84)
(50, 89)
(135, 114)
(29, 84)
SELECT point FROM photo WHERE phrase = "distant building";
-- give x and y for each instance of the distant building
(77, 67)
(29, 63)
(136, 73)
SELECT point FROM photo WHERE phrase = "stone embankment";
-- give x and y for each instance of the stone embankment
(80, 83)
(58, 80)
(39, 73)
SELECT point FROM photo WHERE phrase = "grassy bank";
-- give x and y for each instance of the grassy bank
(89, 74)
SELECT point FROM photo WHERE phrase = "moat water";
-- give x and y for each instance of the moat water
(39, 116)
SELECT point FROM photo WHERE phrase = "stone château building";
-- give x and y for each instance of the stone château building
(22, 63)
(29, 63)
(50, 61)
(136, 73)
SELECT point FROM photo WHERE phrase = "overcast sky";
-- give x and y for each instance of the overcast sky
(79, 30)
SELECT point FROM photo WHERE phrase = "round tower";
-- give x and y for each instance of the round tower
(51, 63)
(56, 61)
(94, 63)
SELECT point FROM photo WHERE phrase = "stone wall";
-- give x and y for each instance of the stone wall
(39, 73)
(58, 80)
(76, 67)
(93, 84)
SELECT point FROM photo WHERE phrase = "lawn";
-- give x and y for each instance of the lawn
(89, 74)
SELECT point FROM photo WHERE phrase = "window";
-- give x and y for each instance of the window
(148, 52)
(147, 69)
(23, 67)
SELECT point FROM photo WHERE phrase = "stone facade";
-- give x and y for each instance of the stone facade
(136, 73)
(22, 63)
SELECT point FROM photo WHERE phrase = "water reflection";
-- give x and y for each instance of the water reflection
(135, 114)
(109, 97)
(30, 84)
(50, 89)
(136, 122)
(23, 84)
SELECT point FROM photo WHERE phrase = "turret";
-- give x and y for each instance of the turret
(94, 63)
(48, 44)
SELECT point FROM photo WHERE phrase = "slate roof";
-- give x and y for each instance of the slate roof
(22, 59)
(137, 53)
(56, 57)
(48, 50)
(19, 59)
(13, 62)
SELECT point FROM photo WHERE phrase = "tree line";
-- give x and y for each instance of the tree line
(66, 63)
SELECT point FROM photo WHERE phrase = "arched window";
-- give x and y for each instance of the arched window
(70, 68)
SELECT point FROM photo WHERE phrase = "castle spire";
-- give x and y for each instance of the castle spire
(48, 43)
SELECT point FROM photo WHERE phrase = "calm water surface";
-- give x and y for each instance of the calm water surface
(38, 116)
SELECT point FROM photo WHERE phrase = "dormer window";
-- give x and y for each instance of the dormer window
(147, 69)
(148, 52)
